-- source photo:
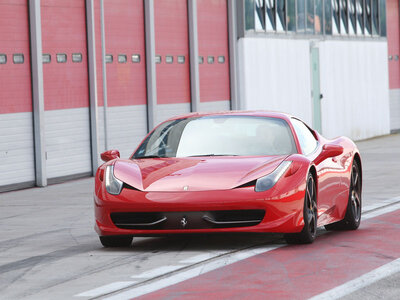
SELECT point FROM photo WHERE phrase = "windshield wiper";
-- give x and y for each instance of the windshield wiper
(149, 156)
(211, 154)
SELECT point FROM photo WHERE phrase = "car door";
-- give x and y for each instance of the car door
(328, 171)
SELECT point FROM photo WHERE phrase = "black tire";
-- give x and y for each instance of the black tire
(310, 214)
(116, 241)
(352, 218)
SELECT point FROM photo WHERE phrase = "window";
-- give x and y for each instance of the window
(158, 59)
(76, 57)
(61, 58)
(281, 12)
(109, 58)
(301, 11)
(201, 59)
(122, 58)
(210, 59)
(259, 17)
(336, 16)
(352, 17)
(291, 15)
(360, 17)
(307, 141)
(375, 17)
(219, 135)
(46, 58)
(136, 58)
(3, 59)
(18, 58)
(249, 14)
(270, 18)
(318, 16)
(221, 59)
(181, 59)
(368, 16)
(382, 16)
(169, 59)
(310, 16)
(328, 17)
(344, 28)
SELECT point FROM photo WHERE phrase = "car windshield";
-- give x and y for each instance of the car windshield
(219, 136)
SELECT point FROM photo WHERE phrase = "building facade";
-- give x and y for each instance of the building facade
(81, 76)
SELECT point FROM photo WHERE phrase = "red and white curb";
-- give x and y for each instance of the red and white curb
(169, 275)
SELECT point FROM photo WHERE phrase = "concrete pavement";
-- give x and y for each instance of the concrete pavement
(48, 248)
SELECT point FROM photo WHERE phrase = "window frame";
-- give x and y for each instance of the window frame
(298, 140)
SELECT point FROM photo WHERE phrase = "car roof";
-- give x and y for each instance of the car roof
(255, 113)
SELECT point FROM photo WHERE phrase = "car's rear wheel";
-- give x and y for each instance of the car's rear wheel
(310, 213)
(352, 218)
(116, 241)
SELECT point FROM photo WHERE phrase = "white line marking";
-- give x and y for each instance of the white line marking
(382, 211)
(184, 275)
(225, 260)
(106, 289)
(201, 257)
(380, 203)
(157, 272)
(360, 282)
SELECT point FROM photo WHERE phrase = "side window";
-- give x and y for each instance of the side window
(307, 141)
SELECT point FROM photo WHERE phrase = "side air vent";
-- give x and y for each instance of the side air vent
(250, 183)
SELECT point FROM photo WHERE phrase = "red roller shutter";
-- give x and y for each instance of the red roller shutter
(16, 129)
(125, 73)
(171, 39)
(66, 92)
(212, 22)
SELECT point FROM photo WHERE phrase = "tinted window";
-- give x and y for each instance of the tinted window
(307, 141)
(219, 135)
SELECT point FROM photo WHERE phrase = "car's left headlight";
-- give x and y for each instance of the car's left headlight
(268, 181)
(113, 184)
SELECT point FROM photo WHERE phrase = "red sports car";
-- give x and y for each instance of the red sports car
(232, 171)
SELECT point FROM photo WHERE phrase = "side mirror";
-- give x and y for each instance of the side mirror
(110, 155)
(329, 150)
(332, 150)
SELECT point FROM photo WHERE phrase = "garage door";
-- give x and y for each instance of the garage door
(172, 58)
(66, 93)
(16, 124)
(126, 75)
(212, 26)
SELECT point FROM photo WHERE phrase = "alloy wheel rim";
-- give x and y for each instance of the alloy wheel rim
(311, 211)
(355, 194)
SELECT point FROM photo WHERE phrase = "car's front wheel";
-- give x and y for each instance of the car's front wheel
(352, 218)
(116, 241)
(310, 213)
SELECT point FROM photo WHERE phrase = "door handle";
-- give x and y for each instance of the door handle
(321, 96)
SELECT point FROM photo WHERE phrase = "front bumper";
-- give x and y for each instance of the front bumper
(283, 211)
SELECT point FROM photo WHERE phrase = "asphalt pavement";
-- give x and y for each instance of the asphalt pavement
(49, 250)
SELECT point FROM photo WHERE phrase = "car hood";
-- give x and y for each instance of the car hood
(193, 173)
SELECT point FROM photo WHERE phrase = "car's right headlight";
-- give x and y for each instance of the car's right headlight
(113, 184)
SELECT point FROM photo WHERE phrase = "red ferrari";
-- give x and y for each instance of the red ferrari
(229, 172)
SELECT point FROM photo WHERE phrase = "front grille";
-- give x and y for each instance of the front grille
(187, 220)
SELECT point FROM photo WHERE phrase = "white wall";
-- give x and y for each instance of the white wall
(394, 96)
(355, 84)
(16, 149)
(275, 74)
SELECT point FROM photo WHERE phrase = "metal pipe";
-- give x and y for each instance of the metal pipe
(37, 92)
(103, 64)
